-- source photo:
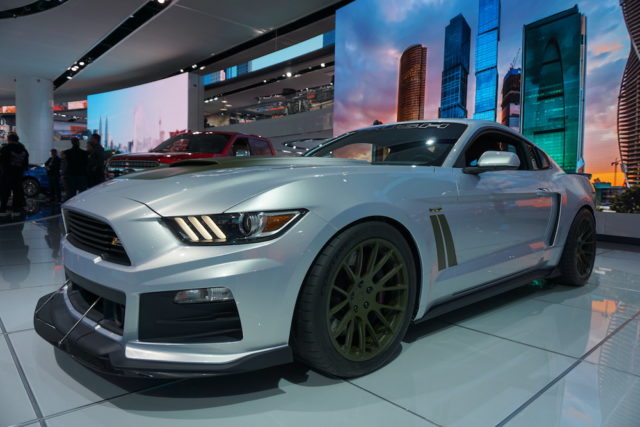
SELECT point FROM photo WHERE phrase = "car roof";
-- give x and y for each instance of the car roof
(472, 125)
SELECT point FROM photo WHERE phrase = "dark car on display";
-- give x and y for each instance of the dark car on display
(190, 145)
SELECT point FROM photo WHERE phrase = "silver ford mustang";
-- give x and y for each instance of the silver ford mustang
(227, 265)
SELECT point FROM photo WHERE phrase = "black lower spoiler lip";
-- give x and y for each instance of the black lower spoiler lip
(53, 321)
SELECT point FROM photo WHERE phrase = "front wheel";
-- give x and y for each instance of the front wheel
(356, 302)
(31, 187)
(579, 252)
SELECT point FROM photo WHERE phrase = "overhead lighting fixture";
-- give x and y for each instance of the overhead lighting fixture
(224, 101)
(81, 63)
(215, 98)
(289, 74)
(264, 81)
(202, 68)
(161, 1)
(69, 77)
(74, 68)
(181, 70)
(194, 66)
(323, 65)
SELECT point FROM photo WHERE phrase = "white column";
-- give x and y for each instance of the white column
(34, 116)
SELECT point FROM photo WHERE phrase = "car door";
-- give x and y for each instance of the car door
(503, 220)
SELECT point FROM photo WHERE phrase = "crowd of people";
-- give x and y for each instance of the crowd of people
(75, 168)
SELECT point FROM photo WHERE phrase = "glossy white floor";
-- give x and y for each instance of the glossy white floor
(533, 357)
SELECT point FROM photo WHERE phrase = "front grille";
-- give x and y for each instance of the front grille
(133, 164)
(162, 320)
(95, 236)
(107, 313)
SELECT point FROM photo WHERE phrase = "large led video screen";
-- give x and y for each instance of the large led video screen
(550, 69)
(138, 118)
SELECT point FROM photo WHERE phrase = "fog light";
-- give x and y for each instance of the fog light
(198, 296)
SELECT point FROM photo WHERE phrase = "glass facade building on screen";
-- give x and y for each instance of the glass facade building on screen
(511, 99)
(487, 60)
(457, 49)
(629, 98)
(411, 83)
(554, 67)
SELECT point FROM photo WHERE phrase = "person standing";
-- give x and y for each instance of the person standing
(53, 172)
(14, 161)
(76, 168)
(95, 170)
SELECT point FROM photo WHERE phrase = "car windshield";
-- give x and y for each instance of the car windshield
(426, 143)
(194, 143)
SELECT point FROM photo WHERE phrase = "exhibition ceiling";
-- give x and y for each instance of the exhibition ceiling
(187, 31)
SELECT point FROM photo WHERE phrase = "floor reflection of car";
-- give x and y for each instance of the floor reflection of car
(36, 180)
(191, 145)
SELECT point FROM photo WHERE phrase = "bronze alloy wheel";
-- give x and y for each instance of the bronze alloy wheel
(367, 299)
(585, 247)
(579, 251)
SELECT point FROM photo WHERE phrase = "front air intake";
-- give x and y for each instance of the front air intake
(95, 236)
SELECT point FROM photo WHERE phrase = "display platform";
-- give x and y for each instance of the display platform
(540, 355)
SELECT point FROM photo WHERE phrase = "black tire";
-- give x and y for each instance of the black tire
(313, 339)
(31, 187)
(579, 252)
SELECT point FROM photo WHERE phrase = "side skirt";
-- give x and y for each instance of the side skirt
(484, 291)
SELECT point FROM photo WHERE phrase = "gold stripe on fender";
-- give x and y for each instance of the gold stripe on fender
(445, 248)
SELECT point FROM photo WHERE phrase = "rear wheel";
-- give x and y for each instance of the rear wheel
(357, 301)
(31, 187)
(579, 252)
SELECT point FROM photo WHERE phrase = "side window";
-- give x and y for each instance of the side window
(259, 147)
(543, 159)
(532, 155)
(241, 148)
(494, 141)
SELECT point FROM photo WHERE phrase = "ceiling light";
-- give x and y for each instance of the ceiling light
(161, 1)
(264, 81)
(215, 98)
(69, 77)
(323, 65)
(194, 66)
(224, 101)
(74, 68)
(81, 63)
(202, 68)
(181, 70)
(288, 73)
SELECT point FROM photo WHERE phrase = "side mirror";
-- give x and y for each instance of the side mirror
(494, 161)
(243, 153)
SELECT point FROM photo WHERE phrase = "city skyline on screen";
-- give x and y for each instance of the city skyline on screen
(368, 50)
(138, 118)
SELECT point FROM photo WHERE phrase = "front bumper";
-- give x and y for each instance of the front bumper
(55, 321)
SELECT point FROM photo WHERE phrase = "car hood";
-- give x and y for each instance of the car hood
(199, 187)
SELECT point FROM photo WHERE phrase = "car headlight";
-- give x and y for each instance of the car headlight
(233, 228)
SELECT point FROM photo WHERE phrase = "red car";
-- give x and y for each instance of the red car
(191, 145)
